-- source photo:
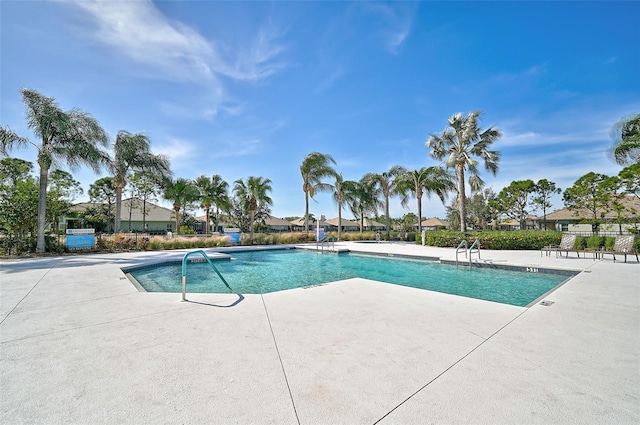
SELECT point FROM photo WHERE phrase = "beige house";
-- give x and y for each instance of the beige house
(566, 220)
(275, 224)
(155, 218)
(434, 223)
(347, 225)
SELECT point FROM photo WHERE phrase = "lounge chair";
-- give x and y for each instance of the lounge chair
(623, 245)
(568, 243)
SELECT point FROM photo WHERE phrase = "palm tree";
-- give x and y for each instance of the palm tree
(73, 137)
(340, 197)
(431, 180)
(313, 169)
(457, 145)
(626, 134)
(132, 152)
(213, 191)
(181, 192)
(362, 198)
(254, 194)
(386, 183)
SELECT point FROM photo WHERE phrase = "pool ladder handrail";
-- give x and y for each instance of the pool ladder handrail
(326, 240)
(184, 271)
(468, 251)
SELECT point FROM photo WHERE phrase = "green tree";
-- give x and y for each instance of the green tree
(73, 137)
(544, 190)
(145, 186)
(458, 145)
(181, 192)
(18, 203)
(409, 220)
(13, 170)
(103, 192)
(62, 191)
(254, 196)
(479, 213)
(362, 198)
(313, 169)
(513, 201)
(132, 152)
(588, 193)
(425, 181)
(387, 185)
(630, 179)
(626, 140)
(213, 192)
(340, 197)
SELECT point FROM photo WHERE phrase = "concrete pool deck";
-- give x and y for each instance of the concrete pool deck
(79, 345)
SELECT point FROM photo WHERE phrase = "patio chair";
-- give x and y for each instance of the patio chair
(567, 243)
(623, 246)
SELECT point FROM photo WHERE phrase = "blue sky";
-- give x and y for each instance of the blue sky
(249, 88)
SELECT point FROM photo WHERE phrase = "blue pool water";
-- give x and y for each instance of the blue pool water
(258, 272)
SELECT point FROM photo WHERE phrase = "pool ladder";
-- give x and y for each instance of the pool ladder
(474, 248)
(326, 240)
(184, 271)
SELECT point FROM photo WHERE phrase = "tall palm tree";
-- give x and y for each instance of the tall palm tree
(427, 180)
(220, 193)
(213, 191)
(362, 198)
(386, 184)
(254, 193)
(457, 145)
(181, 192)
(73, 137)
(340, 197)
(132, 152)
(313, 169)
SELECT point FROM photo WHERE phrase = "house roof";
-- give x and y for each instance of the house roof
(434, 222)
(301, 221)
(343, 223)
(630, 202)
(154, 212)
(275, 221)
(370, 223)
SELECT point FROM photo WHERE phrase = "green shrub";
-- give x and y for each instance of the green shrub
(515, 240)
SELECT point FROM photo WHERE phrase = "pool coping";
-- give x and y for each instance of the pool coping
(217, 255)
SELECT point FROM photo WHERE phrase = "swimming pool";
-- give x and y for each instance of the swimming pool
(258, 272)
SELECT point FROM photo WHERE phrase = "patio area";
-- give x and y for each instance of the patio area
(80, 345)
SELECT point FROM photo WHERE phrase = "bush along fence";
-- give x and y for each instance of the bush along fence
(514, 240)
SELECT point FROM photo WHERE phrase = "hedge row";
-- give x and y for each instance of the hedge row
(514, 240)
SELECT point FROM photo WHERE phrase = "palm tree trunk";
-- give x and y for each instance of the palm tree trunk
(306, 212)
(177, 212)
(419, 214)
(118, 208)
(253, 213)
(42, 209)
(462, 208)
(386, 212)
(339, 221)
(206, 219)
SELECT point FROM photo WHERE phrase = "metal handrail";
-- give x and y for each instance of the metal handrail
(476, 245)
(326, 239)
(184, 271)
(468, 251)
(458, 249)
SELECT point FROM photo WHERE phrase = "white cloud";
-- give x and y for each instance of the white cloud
(174, 51)
(397, 22)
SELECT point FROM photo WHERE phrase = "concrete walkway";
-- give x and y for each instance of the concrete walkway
(80, 345)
